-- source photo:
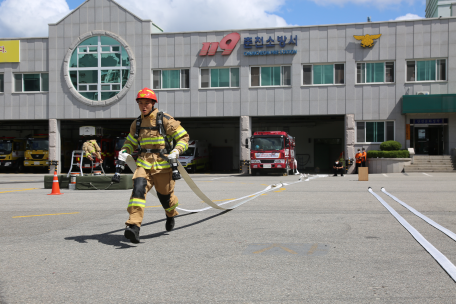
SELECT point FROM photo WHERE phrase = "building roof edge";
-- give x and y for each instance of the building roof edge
(306, 26)
(134, 15)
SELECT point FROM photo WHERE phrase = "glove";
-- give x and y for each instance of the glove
(123, 155)
(174, 154)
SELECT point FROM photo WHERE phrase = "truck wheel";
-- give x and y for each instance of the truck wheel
(193, 170)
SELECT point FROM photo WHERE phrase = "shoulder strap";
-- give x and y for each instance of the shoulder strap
(161, 130)
(138, 124)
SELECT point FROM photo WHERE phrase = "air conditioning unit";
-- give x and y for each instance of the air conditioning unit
(422, 93)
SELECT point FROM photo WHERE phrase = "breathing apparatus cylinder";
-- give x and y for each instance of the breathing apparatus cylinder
(120, 166)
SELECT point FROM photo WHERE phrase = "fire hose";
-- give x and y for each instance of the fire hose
(444, 262)
(131, 163)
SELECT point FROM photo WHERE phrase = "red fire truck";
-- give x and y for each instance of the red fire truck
(272, 152)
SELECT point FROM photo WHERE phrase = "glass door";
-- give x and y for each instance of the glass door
(421, 140)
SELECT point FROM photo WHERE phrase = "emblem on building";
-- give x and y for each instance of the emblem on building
(367, 40)
(227, 44)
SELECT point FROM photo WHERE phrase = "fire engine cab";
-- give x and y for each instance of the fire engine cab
(272, 152)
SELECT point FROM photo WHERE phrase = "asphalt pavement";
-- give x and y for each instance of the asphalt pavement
(325, 240)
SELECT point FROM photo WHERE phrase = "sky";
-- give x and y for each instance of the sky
(29, 18)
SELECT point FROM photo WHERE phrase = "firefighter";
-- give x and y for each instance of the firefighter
(92, 150)
(359, 159)
(152, 170)
(363, 161)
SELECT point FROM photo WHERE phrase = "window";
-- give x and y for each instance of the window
(323, 74)
(38, 82)
(426, 70)
(374, 72)
(270, 76)
(374, 131)
(2, 83)
(99, 68)
(170, 79)
(220, 78)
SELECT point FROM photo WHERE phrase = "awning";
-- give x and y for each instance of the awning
(438, 103)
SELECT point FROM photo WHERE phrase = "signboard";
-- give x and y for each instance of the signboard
(227, 44)
(87, 130)
(407, 132)
(428, 121)
(10, 51)
(262, 44)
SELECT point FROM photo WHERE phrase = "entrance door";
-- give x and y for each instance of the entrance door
(326, 151)
(429, 140)
(421, 140)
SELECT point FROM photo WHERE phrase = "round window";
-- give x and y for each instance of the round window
(99, 68)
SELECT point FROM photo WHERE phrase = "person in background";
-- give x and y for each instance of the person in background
(359, 158)
(338, 168)
(363, 161)
(91, 150)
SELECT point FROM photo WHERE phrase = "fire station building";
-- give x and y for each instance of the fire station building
(335, 88)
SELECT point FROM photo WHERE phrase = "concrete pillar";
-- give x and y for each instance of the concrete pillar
(54, 144)
(350, 139)
(245, 130)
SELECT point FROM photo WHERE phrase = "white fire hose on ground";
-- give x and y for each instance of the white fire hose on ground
(444, 262)
(242, 200)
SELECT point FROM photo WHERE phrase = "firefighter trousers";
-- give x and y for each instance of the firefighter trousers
(143, 182)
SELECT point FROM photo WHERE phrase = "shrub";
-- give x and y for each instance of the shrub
(390, 145)
(388, 154)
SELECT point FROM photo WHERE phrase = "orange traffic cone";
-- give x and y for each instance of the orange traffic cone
(55, 185)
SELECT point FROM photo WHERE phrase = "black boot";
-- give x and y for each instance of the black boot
(132, 233)
(169, 223)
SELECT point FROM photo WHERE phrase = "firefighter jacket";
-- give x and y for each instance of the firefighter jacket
(151, 139)
(364, 156)
(359, 157)
(91, 147)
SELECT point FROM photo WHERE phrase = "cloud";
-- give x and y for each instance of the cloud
(203, 15)
(376, 3)
(30, 18)
(409, 17)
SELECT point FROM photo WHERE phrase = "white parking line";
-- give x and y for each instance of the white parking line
(427, 174)
(385, 175)
(219, 178)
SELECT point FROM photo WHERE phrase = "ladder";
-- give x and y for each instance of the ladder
(74, 155)
(80, 154)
